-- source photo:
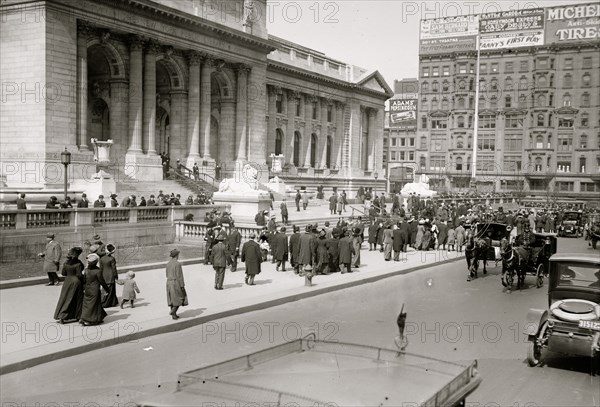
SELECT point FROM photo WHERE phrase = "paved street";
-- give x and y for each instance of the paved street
(448, 317)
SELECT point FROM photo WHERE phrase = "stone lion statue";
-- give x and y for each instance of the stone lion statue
(246, 182)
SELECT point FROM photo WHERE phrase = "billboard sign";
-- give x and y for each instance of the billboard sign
(512, 29)
(450, 34)
(403, 113)
(575, 23)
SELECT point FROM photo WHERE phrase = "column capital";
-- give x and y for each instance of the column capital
(339, 105)
(292, 94)
(309, 98)
(152, 46)
(274, 89)
(85, 29)
(372, 112)
(242, 69)
(326, 101)
(193, 57)
(208, 60)
(168, 51)
(136, 42)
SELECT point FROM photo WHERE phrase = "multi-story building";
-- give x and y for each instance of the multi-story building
(202, 82)
(400, 134)
(538, 108)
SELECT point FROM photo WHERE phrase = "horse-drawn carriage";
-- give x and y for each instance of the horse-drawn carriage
(536, 263)
(483, 244)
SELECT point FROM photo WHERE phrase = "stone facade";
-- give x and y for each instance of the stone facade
(203, 85)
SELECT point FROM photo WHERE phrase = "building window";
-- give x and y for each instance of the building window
(541, 101)
(508, 84)
(461, 103)
(486, 142)
(445, 104)
(315, 108)
(436, 71)
(487, 122)
(481, 103)
(524, 66)
(565, 186)
(507, 101)
(297, 149)
(329, 113)
(494, 102)
(435, 86)
(540, 120)
(425, 87)
(411, 156)
(460, 142)
(567, 81)
(462, 85)
(523, 83)
(411, 142)
(508, 67)
(483, 68)
(459, 163)
(586, 80)
(422, 163)
(513, 143)
(512, 164)
(279, 103)
(542, 81)
(423, 142)
(550, 120)
(393, 156)
(394, 142)
(514, 122)
(583, 141)
(565, 122)
(434, 103)
(313, 150)
(462, 68)
(494, 84)
(538, 164)
(439, 123)
(425, 72)
(446, 71)
(424, 122)
(278, 141)
(565, 143)
(460, 122)
(563, 165)
(445, 86)
(494, 67)
(298, 107)
(522, 101)
(585, 120)
(587, 62)
(585, 100)
(539, 142)
(402, 142)
(402, 155)
(568, 63)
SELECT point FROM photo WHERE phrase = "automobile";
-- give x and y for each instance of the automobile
(307, 371)
(572, 224)
(571, 324)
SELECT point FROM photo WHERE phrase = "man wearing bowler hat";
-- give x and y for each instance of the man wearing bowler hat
(176, 294)
(219, 258)
(51, 255)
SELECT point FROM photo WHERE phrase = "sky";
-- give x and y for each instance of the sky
(375, 34)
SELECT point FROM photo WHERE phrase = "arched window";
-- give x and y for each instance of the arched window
(460, 142)
(494, 102)
(278, 142)
(461, 103)
(538, 164)
(297, 149)
(445, 104)
(567, 100)
(542, 81)
(586, 80)
(523, 83)
(328, 152)
(425, 87)
(434, 103)
(422, 163)
(494, 84)
(540, 120)
(436, 86)
(445, 86)
(459, 163)
(460, 122)
(582, 164)
(567, 81)
(539, 141)
(313, 150)
(541, 101)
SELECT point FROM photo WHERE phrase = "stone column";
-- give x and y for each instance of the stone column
(118, 117)
(371, 141)
(205, 105)
(227, 130)
(241, 113)
(271, 113)
(290, 97)
(149, 134)
(83, 32)
(322, 149)
(307, 136)
(378, 136)
(354, 137)
(338, 139)
(193, 125)
(178, 145)
(135, 94)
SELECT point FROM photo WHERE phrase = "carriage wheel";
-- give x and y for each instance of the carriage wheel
(540, 275)
(534, 352)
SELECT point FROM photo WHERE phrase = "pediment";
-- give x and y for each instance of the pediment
(375, 81)
(439, 113)
(567, 110)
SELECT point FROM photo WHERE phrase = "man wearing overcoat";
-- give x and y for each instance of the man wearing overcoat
(234, 240)
(176, 294)
(346, 251)
(52, 254)
(294, 248)
(280, 249)
(219, 258)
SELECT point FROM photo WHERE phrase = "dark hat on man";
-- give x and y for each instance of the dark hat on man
(283, 229)
(50, 235)
(100, 196)
(110, 248)
(174, 253)
(113, 196)
(75, 252)
(96, 238)
(308, 228)
(220, 237)
(296, 228)
(83, 195)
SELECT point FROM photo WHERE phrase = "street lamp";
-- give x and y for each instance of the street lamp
(65, 159)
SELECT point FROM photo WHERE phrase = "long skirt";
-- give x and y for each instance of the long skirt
(92, 311)
(70, 300)
(110, 299)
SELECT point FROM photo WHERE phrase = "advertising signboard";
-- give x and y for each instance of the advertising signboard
(403, 113)
(450, 34)
(511, 29)
(576, 23)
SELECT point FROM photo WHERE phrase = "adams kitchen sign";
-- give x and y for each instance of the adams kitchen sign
(580, 22)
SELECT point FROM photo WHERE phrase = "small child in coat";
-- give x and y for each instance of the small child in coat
(451, 239)
(129, 288)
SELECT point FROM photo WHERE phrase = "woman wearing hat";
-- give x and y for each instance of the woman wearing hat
(176, 295)
(108, 268)
(68, 308)
(92, 312)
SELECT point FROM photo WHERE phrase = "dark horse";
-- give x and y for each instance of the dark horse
(475, 251)
(511, 263)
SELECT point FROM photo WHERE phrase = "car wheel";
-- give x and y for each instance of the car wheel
(540, 275)
(534, 352)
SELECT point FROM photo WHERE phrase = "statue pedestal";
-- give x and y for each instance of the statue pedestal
(101, 183)
(244, 206)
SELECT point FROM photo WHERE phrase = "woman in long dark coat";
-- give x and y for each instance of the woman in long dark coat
(346, 252)
(92, 312)
(176, 295)
(70, 302)
(252, 257)
(108, 267)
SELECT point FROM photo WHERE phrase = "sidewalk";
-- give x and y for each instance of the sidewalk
(30, 336)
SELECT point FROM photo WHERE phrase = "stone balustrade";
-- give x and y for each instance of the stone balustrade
(196, 231)
(95, 217)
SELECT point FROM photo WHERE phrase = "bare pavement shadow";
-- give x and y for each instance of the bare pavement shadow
(191, 313)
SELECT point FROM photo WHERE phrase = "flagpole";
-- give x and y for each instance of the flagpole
(476, 121)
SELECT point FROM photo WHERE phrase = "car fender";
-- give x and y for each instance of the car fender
(535, 318)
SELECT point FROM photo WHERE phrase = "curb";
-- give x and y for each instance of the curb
(188, 323)
(29, 281)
